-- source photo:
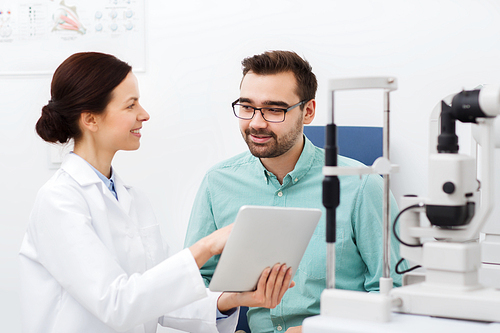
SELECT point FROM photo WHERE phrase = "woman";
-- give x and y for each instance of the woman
(92, 259)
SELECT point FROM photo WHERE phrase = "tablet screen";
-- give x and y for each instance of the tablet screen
(262, 237)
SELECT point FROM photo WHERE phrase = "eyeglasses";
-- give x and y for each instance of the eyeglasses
(272, 115)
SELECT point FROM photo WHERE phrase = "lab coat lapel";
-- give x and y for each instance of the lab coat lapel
(79, 169)
(124, 197)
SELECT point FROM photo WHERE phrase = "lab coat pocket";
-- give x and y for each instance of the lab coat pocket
(153, 245)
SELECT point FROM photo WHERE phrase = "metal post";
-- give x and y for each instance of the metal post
(331, 214)
(386, 200)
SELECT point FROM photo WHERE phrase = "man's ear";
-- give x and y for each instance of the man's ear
(88, 121)
(310, 111)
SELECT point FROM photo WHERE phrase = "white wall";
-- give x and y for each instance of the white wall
(194, 50)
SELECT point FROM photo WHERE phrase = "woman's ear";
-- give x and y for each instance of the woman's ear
(88, 121)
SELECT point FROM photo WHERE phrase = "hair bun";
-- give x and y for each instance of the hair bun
(50, 123)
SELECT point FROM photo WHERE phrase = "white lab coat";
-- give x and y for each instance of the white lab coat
(90, 263)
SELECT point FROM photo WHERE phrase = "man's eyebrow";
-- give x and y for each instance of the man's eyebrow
(268, 102)
(276, 103)
(244, 100)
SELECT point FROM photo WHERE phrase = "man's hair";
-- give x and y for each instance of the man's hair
(275, 62)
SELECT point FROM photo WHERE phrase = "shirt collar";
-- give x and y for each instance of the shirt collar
(107, 181)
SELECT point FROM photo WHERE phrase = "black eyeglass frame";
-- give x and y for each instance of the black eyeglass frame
(262, 113)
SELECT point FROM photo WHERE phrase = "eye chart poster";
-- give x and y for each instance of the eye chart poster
(36, 36)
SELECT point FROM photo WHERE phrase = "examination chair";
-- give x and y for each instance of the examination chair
(358, 142)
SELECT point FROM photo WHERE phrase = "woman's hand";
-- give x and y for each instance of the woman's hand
(210, 245)
(272, 285)
(296, 329)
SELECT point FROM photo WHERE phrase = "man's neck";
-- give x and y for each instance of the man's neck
(281, 165)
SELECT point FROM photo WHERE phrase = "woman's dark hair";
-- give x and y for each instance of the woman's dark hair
(275, 62)
(82, 83)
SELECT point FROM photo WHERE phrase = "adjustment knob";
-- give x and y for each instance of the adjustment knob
(449, 187)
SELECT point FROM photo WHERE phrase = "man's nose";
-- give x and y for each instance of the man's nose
(258, 120)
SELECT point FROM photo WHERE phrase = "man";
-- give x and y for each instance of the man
(283, 168)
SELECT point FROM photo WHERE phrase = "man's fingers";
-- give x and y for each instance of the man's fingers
(261, 285)
(271, 281)
(287, 283)
(278, 285)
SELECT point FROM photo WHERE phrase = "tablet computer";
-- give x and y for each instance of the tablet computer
(262, 237)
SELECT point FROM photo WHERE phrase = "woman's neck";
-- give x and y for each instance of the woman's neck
(99, 159)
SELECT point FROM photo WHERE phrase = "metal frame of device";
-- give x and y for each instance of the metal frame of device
(352, 304)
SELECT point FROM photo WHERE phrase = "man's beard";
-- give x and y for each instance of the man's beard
(274, 147)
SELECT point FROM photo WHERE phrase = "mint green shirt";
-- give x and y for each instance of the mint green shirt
(243, 180)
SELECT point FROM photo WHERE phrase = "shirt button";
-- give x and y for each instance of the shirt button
(296, 179)
(280, 194)
(279, 328)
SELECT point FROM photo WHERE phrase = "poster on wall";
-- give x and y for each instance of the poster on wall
(37, 35)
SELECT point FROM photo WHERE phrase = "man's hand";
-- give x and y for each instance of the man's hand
(272, 285)
(296, 329)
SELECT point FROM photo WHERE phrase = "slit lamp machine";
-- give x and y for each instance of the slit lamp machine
(439, 232)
